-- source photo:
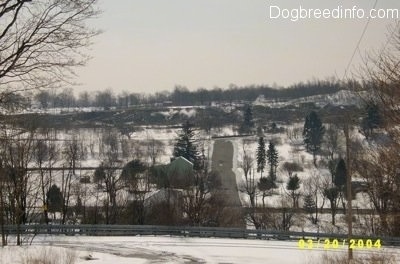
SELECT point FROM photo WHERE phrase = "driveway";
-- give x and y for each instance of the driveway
(222, 164)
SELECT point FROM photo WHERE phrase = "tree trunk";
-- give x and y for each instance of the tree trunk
(263, 197)
(316, 209)
(3, 236)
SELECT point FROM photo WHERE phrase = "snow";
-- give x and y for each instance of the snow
(166, 249)
(342, 97)
(185, 111)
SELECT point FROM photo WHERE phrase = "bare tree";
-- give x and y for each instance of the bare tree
(2, 207)
(294, 135)
(72, 154)
(42, 41)
(108, 173)
(333, 143)
(197, 196)
(155, 148)
(313, 188)
(379, 164)
(45, 155)
(380, 169)
(16, 153)
(246, 163)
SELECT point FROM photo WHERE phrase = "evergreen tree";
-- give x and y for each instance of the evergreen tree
(371, 120)
(332, 164)
(186, 146)
(332, 194)
(340, 180)
(261, 155)
(313, 133)
(265, 184)
(309, 206)
(340, 174)
(99, 174)
(55, 199)
(248, 123)
(130, 172)
(293, 185)
(272, 157)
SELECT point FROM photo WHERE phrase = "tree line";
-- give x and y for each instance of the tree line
(181, 96)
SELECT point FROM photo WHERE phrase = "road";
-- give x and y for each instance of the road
(222, 161)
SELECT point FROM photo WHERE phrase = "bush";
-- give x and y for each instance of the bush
(291, 167)
(49, 256)
(277, 141)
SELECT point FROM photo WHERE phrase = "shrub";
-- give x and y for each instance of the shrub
(49, 255)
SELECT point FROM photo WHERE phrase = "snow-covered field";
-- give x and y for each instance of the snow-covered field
(150, 249)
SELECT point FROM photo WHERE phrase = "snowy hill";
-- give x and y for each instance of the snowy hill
(342, 97)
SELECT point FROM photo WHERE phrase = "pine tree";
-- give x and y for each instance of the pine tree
(99, 174)
(293, 185)
(371, 120)
(265, 184)
(340, 180)
(130, 172)
(55, 199)
(309, 206)
(272, 157)
(313, 133)
(248, 123)
(186, 146)
(248, 117)
(340, 174)
(261, 155)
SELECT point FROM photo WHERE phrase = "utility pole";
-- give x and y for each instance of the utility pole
(348, 187)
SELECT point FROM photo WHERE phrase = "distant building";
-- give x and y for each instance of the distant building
(180, 172)
(164, 206)
(164, 195)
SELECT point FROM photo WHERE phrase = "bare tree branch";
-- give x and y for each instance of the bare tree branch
(41, 42)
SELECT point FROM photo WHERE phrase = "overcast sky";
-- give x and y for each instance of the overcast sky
(153, 45)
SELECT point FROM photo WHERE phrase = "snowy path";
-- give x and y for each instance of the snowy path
(222, 163)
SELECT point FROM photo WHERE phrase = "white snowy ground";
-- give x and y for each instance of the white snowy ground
(150, 249)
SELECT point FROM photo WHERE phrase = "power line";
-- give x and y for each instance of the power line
(358, 43)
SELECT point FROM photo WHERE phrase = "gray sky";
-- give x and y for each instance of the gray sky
(153, 45)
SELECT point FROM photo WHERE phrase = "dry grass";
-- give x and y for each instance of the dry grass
(50, 256)
(361, 259)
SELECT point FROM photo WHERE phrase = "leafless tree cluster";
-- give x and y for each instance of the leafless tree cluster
(16, 151)
(379, 163)
(198, 197)
(380, 170)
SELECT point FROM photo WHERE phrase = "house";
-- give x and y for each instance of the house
(164, 206)
(180, 172)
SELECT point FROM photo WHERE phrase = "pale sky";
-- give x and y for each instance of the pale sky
(154, 45)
